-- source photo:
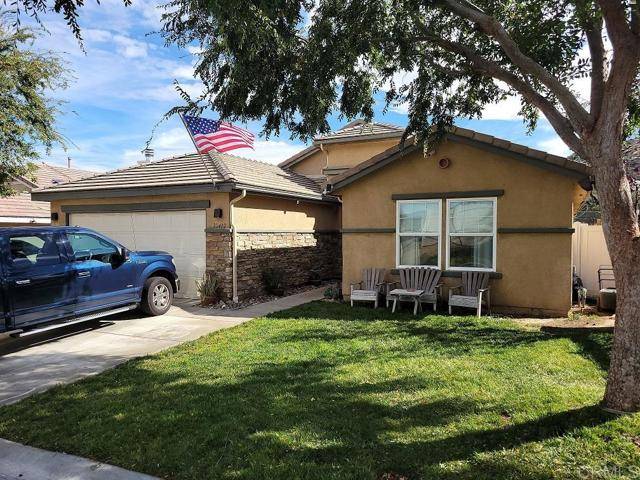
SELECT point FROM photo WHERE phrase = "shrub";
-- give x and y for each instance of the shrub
(273, 279)
(209, 288)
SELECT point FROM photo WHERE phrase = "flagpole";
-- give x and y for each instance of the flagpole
(204, 163)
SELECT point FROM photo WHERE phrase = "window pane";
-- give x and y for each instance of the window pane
(418, 250)
(417, 217)
(471, 252)
(34, 250)
(471, 216)
(89, 247)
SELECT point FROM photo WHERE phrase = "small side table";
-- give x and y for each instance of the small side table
(408, 294)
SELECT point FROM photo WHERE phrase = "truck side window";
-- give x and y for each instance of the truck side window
(89, 247)
(29, 250)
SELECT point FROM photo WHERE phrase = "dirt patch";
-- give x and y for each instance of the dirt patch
(228, 305)
(575, 322)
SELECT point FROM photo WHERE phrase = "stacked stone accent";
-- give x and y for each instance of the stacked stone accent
(302, 256)
(219, 260)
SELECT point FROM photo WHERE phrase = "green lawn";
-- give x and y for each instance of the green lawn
(328, 392)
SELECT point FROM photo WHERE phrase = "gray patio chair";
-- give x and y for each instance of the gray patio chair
(370, 286)
(418, 278)
(473, 292)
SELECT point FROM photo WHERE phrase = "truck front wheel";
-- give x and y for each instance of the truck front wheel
(157, 296)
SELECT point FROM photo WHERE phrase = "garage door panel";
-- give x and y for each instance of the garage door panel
(182, 234)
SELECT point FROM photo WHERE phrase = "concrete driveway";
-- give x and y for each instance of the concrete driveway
(78, 352)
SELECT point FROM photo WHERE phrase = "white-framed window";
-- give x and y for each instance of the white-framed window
(471, 234)
(418, 232)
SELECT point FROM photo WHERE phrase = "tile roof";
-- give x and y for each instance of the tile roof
(48, 174)
(265, 175)
(464, 135)
(181, 170)
(20, 205)
(358, 130)
(361, 130)
(193, 169)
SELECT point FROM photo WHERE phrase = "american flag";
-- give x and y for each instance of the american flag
(217, 135)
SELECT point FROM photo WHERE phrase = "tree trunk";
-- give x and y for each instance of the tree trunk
(620, 226)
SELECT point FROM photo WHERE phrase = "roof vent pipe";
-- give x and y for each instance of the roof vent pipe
(148, 156)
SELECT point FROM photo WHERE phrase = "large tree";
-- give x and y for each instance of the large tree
(27, 112)
(295, 62)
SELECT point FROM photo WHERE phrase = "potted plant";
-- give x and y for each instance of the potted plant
(208, 289)
(273, 279)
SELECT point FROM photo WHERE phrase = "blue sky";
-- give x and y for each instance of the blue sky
(123, 85)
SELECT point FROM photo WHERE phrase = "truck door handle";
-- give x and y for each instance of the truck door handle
(23, 282)
(84, 274)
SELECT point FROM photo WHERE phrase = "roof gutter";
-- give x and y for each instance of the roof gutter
(234, 249)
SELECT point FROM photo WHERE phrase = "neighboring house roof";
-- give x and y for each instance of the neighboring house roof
(355, 131)
(539, 158)
(19, 208)
(361, 130)
(188, 174)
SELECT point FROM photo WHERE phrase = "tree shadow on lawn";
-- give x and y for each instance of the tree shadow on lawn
(453, 335)
(279, 420)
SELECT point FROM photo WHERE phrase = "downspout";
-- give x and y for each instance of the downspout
(234, 250)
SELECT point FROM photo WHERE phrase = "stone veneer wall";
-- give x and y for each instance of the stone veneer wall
(297, 253)
(219, 259)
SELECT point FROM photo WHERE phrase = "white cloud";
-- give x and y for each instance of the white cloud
(554, 145)
(176, 141)
(131, 48)
(183, 71)
(271, 151)
(506, 109)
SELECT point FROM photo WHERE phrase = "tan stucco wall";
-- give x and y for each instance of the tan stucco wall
(312, 165)
(350, 154)
(342, 155)
(217, 199)
(260, 213)
(536, 268)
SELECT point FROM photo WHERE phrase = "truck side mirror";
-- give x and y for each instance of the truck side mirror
(124, 254)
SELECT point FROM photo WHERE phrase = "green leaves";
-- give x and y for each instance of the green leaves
(27, 113)
(293, 62)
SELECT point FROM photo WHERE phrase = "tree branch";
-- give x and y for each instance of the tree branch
(559, 122)
(615, 18)
(593, 31)
(576, 113)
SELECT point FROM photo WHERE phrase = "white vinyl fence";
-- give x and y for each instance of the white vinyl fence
(589, 253)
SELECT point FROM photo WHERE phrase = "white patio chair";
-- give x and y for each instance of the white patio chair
(369, 287)
(474, 291)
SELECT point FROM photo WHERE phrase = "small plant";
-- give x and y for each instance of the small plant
(209, 288)
(273, 279)
(333, 292)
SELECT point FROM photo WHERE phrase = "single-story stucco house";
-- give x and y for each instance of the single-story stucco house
(476, 203)
(19, 210)
(186, 205)
(355, 198)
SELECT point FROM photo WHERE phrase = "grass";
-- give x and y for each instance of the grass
(328, 392)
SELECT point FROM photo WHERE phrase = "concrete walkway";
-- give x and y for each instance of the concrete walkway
(20, 462)
(77, 354)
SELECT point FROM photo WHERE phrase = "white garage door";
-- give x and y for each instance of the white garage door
(179, 233)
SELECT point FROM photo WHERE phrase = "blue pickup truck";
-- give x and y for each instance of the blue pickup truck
(60, 275)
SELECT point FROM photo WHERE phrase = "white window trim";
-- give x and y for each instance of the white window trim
(416, 234)
(494, 234)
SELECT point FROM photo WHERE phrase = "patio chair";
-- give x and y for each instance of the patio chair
(418, 278)
(473, 292)
(369, 287)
